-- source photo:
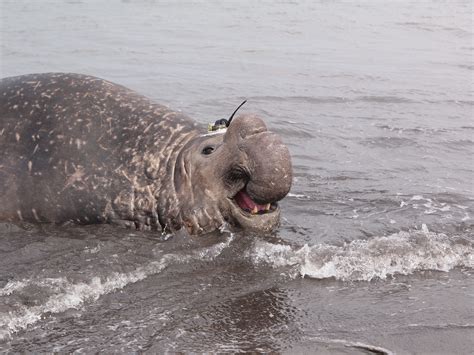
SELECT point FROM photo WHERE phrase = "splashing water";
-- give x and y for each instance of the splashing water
(69, 295)
(364, 260)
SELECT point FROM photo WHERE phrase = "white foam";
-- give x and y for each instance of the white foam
(16, 286)
(299, 196)
(68, 295)
(431, 206)
(363, 260)
(72, 295)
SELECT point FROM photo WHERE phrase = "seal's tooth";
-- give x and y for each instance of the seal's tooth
(255, 210)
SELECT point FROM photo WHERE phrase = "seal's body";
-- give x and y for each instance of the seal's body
(78, 148)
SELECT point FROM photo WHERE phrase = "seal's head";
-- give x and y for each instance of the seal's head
(237, 176)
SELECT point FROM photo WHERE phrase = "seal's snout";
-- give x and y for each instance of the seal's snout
(270, 167)
(266, 161)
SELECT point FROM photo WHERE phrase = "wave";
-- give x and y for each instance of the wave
(389, 142)
(433, 27)
(65, 294)
(347, 345)
(361, 260)
(336, 99)
(69, 295)
(402, 253)
(375, 99)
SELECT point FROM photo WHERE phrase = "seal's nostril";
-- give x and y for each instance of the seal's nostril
(237, 174)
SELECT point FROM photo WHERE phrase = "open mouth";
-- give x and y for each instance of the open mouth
(245, 202)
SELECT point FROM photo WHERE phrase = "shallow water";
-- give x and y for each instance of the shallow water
(375, 251)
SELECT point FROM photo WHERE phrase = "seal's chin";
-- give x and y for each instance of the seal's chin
(253, 216)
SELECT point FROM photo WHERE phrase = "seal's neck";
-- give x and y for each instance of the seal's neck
(165, 192)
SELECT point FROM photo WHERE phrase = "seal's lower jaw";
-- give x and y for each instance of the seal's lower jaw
(252, 216)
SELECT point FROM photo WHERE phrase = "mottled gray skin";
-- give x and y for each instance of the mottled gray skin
(76, 148)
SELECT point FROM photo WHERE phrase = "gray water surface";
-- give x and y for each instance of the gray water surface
(375, 251)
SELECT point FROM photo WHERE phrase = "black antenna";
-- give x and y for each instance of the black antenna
(237, 109)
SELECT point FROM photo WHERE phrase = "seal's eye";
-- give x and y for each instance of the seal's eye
(208, 150)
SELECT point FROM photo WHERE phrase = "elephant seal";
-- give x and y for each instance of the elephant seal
(76, 148)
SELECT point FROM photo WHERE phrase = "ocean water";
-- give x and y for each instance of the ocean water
(375, 253)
